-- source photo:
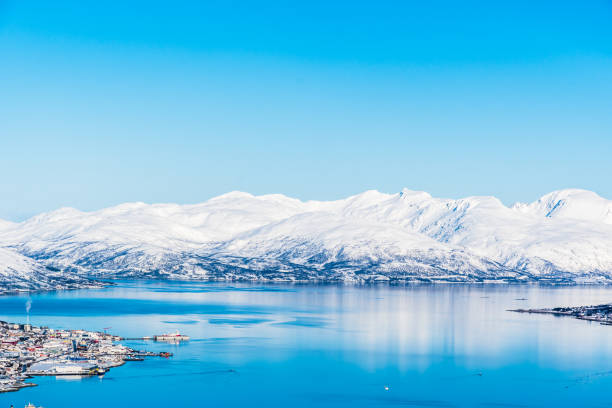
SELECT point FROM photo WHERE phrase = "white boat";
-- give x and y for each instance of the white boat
(172, 337)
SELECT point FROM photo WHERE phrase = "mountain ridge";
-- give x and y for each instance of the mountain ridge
(565, 236)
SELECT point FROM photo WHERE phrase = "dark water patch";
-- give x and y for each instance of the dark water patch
(238, 322)
(383, 400)
(413, 403)
(304, 322)
(180, 321)
(228, 340)
(464, 376)
(589, 378)
(179, 374)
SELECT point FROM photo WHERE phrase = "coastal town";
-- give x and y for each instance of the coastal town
(27, 351)
(597, 313)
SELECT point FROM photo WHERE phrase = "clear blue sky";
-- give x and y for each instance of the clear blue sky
(146, 101)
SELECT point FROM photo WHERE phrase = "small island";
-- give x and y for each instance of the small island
(597, 313)
(27, 351)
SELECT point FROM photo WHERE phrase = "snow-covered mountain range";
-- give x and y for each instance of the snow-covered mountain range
(565, 236)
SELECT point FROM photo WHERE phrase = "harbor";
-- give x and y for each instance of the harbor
(27, 351)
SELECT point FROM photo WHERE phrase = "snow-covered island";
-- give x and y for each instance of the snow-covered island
(564, 237)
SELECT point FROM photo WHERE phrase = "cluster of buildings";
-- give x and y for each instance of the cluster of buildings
(598, 313)
(27, 350)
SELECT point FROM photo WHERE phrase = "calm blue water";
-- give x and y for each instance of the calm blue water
(327, 345)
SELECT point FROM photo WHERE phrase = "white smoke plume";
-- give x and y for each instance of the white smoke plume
(28, 306)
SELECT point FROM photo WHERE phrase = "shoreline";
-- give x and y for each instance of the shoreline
(103, 283)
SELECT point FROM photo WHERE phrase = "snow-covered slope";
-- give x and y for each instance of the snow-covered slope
(564, 236)
(18, 273)
(571, 204)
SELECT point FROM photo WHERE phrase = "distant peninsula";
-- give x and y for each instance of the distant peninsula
(598, 313)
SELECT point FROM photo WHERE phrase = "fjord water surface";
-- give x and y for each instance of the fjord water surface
(331, 346)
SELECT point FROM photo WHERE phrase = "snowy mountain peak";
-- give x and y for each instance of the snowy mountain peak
(365, 199)
(414, 196)
(571, 204)
(60, 214)
(232, 195)
(128, 207)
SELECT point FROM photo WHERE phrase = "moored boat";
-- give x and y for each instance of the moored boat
(171, 338)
